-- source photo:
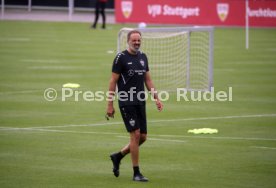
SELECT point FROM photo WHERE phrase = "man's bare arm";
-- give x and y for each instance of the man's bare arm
(150, 86)
(112, 87)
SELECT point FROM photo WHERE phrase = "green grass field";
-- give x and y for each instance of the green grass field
(67, 144)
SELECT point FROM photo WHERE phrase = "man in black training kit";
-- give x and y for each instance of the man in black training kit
(99, 8)
(130, 72)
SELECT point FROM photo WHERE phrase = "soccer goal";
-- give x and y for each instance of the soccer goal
(180, 57)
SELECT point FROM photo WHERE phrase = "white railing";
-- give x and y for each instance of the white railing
(29, 7)
(71, 8)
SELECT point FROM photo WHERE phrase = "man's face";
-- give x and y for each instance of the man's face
(134, 42)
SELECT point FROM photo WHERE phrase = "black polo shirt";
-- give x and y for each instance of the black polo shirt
(132, 70)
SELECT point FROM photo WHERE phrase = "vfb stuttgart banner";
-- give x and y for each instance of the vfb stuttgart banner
(196, 12)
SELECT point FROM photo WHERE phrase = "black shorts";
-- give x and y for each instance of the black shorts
(134, 117)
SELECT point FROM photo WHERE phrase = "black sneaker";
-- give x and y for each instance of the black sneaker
(140, 177)
(116, 164)
(93, 26)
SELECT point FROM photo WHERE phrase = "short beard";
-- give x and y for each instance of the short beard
(136, 50)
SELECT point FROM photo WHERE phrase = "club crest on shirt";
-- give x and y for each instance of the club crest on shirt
(132, 122)
(142, 62)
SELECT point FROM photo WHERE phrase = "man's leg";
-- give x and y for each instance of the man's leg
(134, 147)
(141, 116)
(117, 157)
(138, 135)
(126, 150)
(135, 137)
(97, 11)
(103, 14)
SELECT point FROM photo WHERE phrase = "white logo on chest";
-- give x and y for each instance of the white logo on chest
(142, 62)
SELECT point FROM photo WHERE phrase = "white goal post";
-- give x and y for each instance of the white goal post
(179, 57)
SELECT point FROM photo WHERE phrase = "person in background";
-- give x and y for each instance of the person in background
(99, 8)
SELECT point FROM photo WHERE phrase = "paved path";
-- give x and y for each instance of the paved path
(59, 16)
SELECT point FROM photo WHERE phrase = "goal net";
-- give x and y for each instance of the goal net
(179, 57)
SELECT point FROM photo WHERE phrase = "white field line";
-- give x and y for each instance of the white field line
(58, 131)
(41, 60)
(14, 39)
(262, 147)
(61, 126)
(19, 92)
(158, 139)
(160, 121)
(45, 129)
(112, 133)
(216, 118)
(219, 137)
(54, 67)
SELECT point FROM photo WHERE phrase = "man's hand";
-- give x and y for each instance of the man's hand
(110, 112)
(159, 105)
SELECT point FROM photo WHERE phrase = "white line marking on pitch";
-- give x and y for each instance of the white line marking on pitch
(262, 147)
(160, 121)
(111, 133)
(58, 131)
(219, 137)
(19, 92)
(157, 139)
(15, 39)
(41, 60)
(61, 126)
(216, 118)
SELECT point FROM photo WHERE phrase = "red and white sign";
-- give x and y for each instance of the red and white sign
(196, 12)
(262, 13)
